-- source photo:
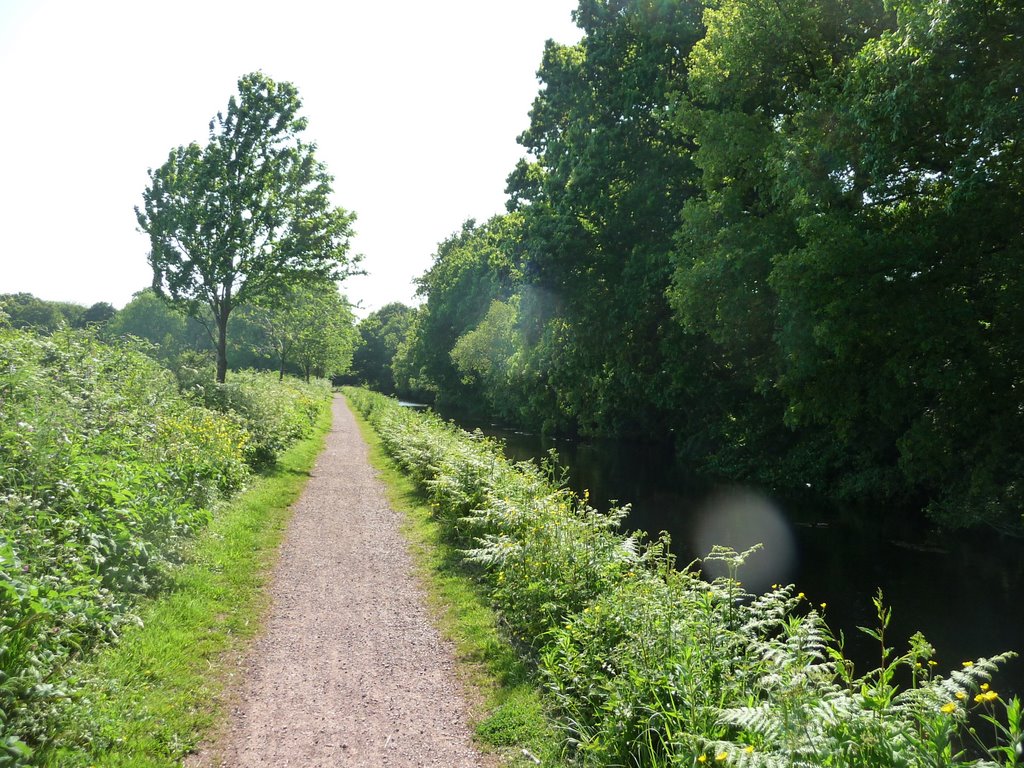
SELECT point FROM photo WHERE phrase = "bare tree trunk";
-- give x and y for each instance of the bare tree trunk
(222, 347)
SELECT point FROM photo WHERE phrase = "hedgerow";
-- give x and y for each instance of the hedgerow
(105, 469)
(646, 664)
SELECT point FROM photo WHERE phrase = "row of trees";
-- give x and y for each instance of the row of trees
(23, 310)
(309, 330)
(785, 234)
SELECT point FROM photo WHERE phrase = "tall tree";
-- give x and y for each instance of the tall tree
(471, 269)
(251, 210)
(600, 200)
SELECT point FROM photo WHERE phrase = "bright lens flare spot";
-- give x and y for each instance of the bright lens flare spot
(740, 519)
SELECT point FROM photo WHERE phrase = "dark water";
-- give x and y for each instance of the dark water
(965, 592)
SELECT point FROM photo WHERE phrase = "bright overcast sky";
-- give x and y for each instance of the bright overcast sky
(415, 107)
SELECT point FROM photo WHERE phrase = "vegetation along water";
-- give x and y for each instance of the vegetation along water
(963, 592)
(648, 664)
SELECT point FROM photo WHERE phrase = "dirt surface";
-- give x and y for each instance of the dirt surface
(349, 670)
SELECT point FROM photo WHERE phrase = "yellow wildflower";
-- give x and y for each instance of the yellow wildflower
(961, 695)
(749, 750)
(702, 759)
(801, 596)
(984, 687)
(823, 605)
(968, 664)
(932, 663)
(720, 757)
(948, 708)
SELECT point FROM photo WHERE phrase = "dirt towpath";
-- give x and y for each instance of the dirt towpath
(349, 670)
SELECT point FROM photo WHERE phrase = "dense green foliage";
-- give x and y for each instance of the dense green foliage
(173, 333)
(380, 334)
(307, 329)
(159, 692)
(230, 222)
(23, 310)
(647, 665)
(105, 468)
(309, 324)
(784, 235)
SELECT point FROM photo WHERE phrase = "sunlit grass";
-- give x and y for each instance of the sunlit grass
(151, 699)
(505, 702)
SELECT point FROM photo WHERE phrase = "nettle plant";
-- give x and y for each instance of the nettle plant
(647, 664)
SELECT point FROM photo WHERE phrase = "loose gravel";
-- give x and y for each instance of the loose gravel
(349, 670)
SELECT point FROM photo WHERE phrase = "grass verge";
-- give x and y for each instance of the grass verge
(149, 700)
(508, 712)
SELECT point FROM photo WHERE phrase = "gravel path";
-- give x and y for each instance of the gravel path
(349, 670)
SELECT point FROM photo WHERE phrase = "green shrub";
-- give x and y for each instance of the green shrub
(275, 413)
(105, 468)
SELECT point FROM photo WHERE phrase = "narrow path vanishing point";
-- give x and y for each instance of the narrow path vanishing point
(349, 670)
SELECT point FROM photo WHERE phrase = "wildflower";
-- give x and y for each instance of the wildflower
(720, 757)
(801, 596)
(984, 687)
(702, 759)
(823, 606)
(932, 663)
(968, 664)
(961, 695)
(749, 750)
(948, 708)
(984, 698)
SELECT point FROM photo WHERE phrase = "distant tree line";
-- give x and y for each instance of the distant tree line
(786, 235)
(23, 310)
(311, 335)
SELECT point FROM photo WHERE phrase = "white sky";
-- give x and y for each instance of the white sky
(414, 106)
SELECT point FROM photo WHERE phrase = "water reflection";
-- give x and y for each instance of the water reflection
(963, 591)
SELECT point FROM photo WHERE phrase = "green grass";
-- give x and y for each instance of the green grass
(505, 702)
(149, 700)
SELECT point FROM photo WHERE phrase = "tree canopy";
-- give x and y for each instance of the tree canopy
(785, 235)
(231, 221)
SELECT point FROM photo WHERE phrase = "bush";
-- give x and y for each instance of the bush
(275, 413)
(105, 469)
